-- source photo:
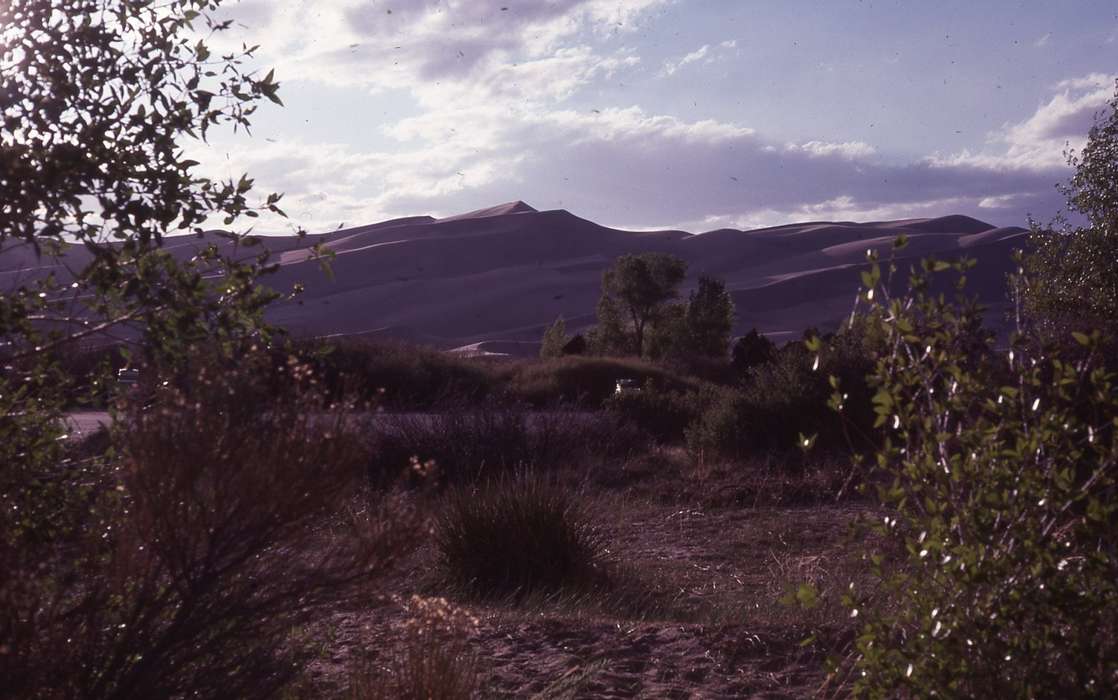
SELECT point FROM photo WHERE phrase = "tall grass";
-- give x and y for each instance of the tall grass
(517, 536)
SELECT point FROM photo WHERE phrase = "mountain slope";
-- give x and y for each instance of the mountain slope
(506, 272)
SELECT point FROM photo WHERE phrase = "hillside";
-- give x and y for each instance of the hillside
(504, 273)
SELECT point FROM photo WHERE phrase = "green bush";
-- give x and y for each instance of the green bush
(584, 381)
(516, 536)
(400, 375)
(999, 475)
(786, 398)
(662, 413)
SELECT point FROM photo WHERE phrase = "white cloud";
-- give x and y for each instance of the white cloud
(998, 202)
(1039, 142)
(375, 46)
(493, 120)
(840, 208)
(848, 149)
(706, 53)
(1043, 40)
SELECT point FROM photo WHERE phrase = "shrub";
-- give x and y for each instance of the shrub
(751, 350)
(662, 413)
(787, 397)
(400, 375)
(1000, 476)
(471, 442)
(434, 662)
(584, 381)
(218, 527)
(516, 536)
(782, 399)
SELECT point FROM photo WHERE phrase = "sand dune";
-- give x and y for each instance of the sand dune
(493, 279)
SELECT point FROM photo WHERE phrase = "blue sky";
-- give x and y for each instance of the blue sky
(672, 113)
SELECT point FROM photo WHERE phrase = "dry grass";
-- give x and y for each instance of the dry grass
(433, 662)
(516, 536)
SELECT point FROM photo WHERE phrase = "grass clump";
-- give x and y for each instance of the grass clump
(517, 536)
(433, 663)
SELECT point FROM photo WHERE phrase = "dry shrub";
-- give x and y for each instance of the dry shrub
(517, 536)
(433, 663)
(221, 526)
(468, 443)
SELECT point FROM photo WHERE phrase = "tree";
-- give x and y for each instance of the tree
(635, 291)
(751, 350)
(123, 574)
(999, 475)
(99, 96)
(668, 337)
(710, 318)
(554, 339)
(1071, 280)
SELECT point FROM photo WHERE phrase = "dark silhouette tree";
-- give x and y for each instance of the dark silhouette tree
(554, 339)
(635, 292)
(709, 318)
(751, 350)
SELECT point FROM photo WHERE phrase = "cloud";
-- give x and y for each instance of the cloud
(849, 149)
(1038, 143)
(497, 117)
(1043, 40)
(624, 167)
(705, 53)
(383, 45)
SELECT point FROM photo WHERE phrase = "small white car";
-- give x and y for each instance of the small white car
(626, 386)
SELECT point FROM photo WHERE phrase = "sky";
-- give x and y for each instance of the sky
(690, 114)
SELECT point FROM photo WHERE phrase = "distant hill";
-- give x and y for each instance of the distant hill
(496, 277)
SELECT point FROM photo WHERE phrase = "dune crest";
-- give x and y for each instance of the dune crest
(493, 279)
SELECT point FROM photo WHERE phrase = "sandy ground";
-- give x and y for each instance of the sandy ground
(717, 628)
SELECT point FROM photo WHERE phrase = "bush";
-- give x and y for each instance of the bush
(751, 350)
(516, 536)
(662, 413)
(400, 375)
(786, 398)
(782, 400)
(467, 443)
(1001, 483)
(217, 528)
(584, 381)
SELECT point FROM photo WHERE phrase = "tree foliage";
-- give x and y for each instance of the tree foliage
(162, 569)
(1071, 280)
(636, 290)
(100, 96)
(752, 350)
(999, 475)
(710, 318)
(554, 339)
